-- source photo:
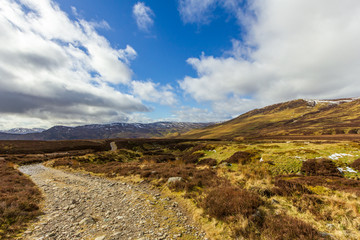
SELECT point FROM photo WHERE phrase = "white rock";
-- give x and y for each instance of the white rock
(100, 238)
(174, 179)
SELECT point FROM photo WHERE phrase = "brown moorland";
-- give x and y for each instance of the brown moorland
(19, 201)
(239, 196)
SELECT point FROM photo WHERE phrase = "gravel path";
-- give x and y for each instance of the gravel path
(80, 206)
(113, 146)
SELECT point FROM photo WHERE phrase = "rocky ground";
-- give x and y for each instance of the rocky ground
(81, 206)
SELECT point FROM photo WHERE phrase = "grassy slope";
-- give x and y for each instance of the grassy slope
(297, 117)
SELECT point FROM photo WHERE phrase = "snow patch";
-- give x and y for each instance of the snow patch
(347, 169)
(336, 156)
(314, 102)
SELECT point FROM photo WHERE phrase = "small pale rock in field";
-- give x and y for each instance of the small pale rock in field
(116, 235)
(177, 235)
(100, 238)
(325, 235)
(330, 226)
(88, 220)
(224, 164)
(174, 180)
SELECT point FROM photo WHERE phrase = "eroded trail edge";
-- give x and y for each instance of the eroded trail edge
(81, 206)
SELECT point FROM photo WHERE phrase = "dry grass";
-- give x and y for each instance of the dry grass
(226, 202)
(19, 199)
(284, 227)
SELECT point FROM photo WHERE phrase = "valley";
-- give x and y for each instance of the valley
(287, 171)
(227, 189)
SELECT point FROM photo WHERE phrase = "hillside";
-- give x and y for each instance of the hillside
(105, 131)
(293, 118)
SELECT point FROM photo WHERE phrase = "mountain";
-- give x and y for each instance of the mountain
(294, 118)
(104, 131)
(23, 130)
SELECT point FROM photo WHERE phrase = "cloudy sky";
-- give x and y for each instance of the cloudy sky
(73, 62)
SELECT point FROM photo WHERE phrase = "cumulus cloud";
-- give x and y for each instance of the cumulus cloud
(54, 70)
(292, 49)
(152, 92)
(143, 16)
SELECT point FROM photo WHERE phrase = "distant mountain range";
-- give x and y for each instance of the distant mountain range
(103, 131)
(300, 118)
(24, 130)
(297, 118)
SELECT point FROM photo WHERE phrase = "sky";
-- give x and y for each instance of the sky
(76, 62)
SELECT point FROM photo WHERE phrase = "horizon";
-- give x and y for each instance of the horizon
(44, 129)
(214, 122)
(74, 63)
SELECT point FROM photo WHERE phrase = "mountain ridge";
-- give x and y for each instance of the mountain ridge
(304, 117)
(23, 130)
(106, 131)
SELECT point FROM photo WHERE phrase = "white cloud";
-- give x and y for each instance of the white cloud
(148, 91)
(194, 114)
(292, 49)
(57, 70)
(201, 11)
(196, 11)
(143, 16)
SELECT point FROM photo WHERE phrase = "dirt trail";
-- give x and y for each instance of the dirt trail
(113, 146)
(80, 206)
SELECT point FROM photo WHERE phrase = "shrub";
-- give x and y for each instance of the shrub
(333, 183)
(354, 131)
(285, 227)
(289, 187)
(320, 167)
(159, 158)
(225, 201)
(356, 164)
(243, 157)
(121, 155)
(181, 146)
(202, 147)
(190, 157)
(193, 178)
(208, 161)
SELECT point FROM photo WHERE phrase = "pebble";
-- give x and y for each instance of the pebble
(80, 206)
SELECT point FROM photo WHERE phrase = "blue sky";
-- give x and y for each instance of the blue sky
(67, 62)
(165, 47)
